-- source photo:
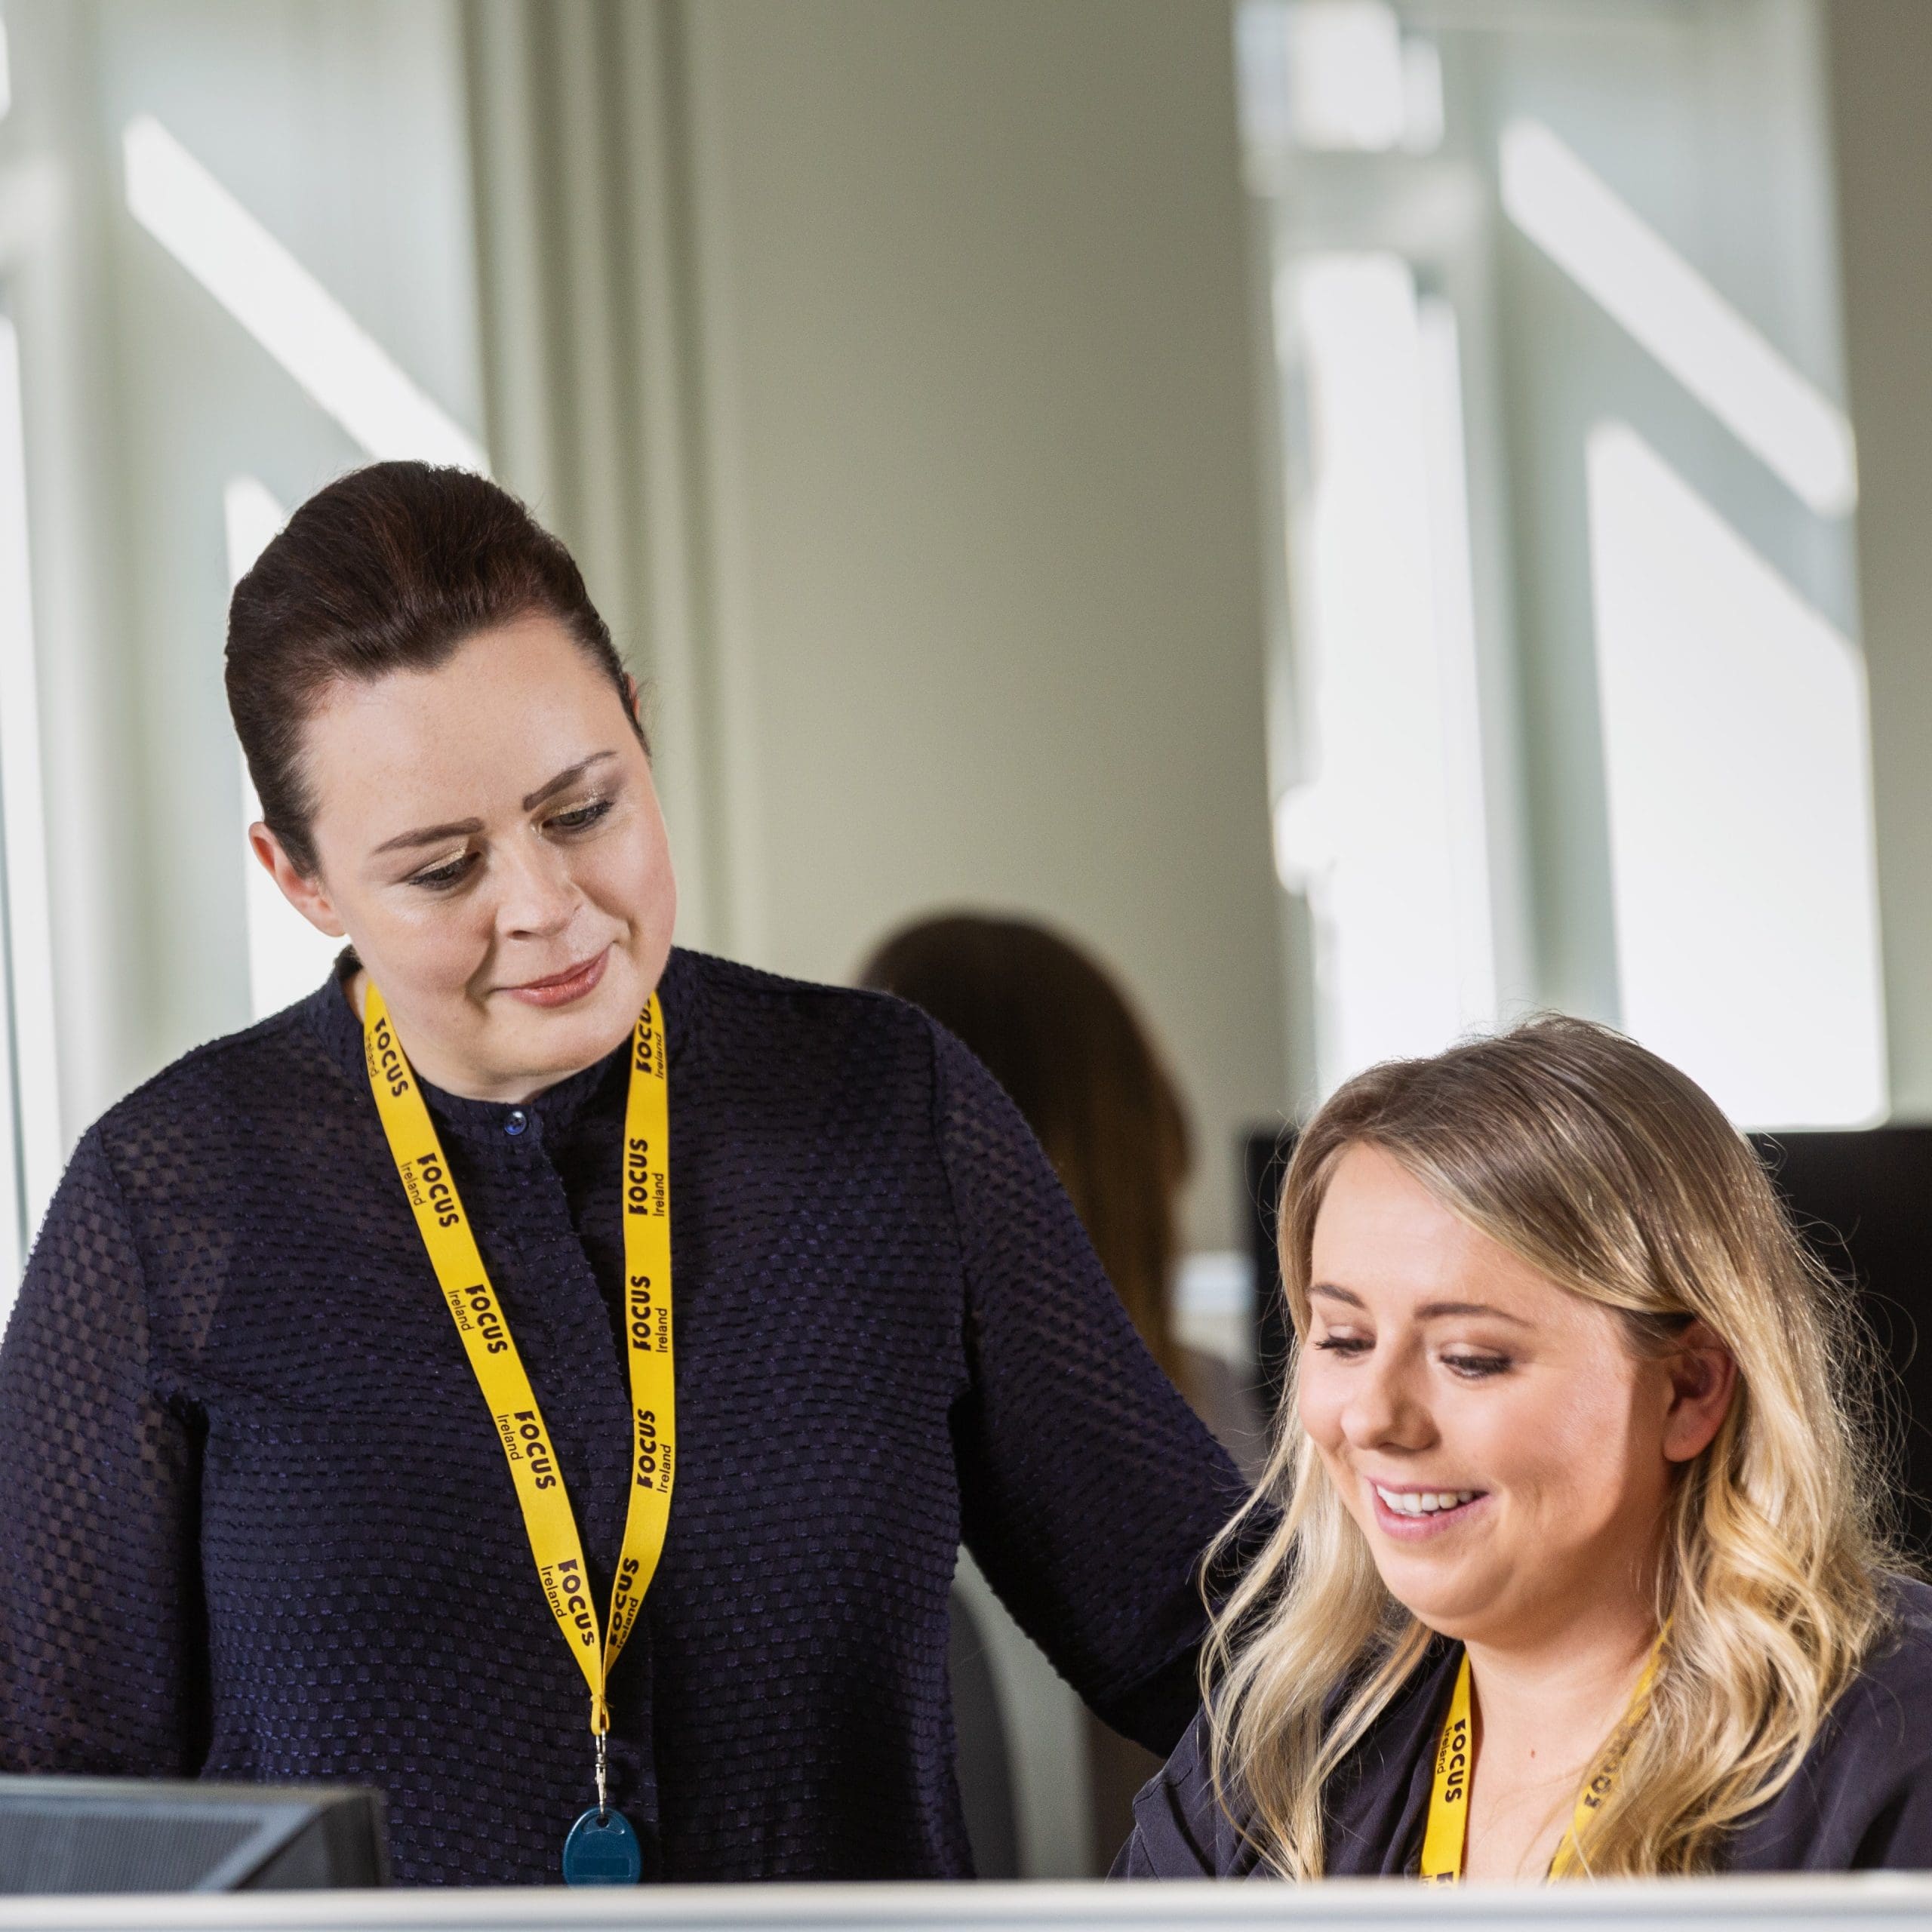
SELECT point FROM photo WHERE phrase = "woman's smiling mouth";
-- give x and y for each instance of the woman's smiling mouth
(1410, 1514)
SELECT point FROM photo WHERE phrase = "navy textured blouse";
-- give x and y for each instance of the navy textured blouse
(1861, 1800)
(238, 1535)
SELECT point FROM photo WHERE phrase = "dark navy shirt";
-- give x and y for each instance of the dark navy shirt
(255, 1523)
(1861, 1799)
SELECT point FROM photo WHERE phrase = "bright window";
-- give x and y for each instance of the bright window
(1386, 837)
(1576, 713)
(1737, 763)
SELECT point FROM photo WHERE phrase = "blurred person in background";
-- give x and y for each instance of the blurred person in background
(338, 1323)
(1056, 1030)
(1582, 1568)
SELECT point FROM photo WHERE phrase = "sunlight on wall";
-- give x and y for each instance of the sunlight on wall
(1386, 840)
(1337, 76)
(1735, 749)
(288, 958)
(1650, 290)
(282, 306)
(1344, 74)
(345, 374)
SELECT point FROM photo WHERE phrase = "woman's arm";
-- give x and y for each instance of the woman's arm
(1088, 1490)
(101, 1644)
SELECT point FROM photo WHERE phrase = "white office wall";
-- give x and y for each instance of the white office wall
(976, 379)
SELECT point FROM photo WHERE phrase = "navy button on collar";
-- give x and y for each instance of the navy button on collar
(515, 1121)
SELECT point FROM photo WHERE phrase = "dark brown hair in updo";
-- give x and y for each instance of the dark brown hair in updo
(1056, 1032)
(388, 568)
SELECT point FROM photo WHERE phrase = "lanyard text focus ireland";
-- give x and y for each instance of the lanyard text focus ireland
(445, 1225)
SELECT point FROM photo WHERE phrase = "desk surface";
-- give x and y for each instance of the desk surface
(1761, 1905)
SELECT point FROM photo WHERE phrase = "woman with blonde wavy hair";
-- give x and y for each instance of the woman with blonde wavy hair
(1580, 1569)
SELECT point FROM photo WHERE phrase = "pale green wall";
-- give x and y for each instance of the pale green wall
(1880, 52)
(976, 374)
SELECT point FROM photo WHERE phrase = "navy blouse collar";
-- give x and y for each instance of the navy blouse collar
(558, 1108)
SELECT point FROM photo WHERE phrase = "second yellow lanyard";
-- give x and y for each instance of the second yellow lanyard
(480, 1321)
(1448, 1829)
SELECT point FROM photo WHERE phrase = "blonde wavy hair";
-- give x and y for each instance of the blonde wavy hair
(1611, 1172)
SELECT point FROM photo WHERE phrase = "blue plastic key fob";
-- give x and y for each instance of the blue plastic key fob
(602, 1851)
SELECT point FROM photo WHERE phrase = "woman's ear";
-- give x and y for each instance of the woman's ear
(1703, 1381)
(308, 896)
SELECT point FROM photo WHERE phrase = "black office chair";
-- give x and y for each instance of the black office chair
(1863, 1200)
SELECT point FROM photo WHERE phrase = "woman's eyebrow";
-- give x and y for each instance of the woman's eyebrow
(430, 834)
(564, 779)
(1334, 1293)
(1429, 1310)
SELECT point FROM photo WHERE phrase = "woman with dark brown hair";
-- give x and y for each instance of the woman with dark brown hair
(349, 1433)
(1053, 1027)
(1056, 1030)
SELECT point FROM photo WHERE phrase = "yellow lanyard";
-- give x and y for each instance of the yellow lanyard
(1448, 1828)
(499, 1372)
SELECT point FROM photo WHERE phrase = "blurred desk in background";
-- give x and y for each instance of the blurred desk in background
(1794, 1904)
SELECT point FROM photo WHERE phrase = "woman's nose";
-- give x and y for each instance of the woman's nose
(1382, 1411)
(537, 897)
